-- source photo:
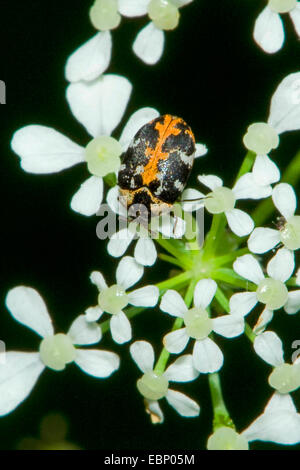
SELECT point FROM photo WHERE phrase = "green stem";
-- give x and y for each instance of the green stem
(211, 241)
(221, 414)
(246, 164)
(221, 260)
(230, 277)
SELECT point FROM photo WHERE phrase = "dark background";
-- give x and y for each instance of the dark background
(215, 77)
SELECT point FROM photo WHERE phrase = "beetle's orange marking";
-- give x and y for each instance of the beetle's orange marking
(165, 129)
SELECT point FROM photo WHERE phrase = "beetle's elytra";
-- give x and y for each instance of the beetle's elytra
(156, 166)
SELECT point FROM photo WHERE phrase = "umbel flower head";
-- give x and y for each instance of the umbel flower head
(279, 423)
(154, 385)
(21, 370)
(207, 356)
(115, 298)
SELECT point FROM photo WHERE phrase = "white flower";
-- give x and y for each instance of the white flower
(264, 239)
(155, 386)
(268, 29)
(284, 116)
(285, 378)
(21, 370)
(115, 298)
(99, 106)
(271, 291)
(223, 199)
(279, 423)
(207, 356)
(149, 43)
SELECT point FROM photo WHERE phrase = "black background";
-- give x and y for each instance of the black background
(215, 77)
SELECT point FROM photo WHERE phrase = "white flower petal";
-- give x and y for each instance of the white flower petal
(248, 267)
(242, 303)
(143, 355)
(99, 105)
(83, 332)
(132, 8)
(229, 326)
(119, 242)
(265, 171)
(284, 198)
(211, 181)
(44, 150)
(114, 202)
(182, 370)
(201, 150)
(247, 187)
(184, 405)
(269, 347)
(207, 356)
(145, 252)
(98, 280)
(188, 196)
(97, 363)
(285, 109)
(278, 425)
(88, 198)
(173, 303)
(27, 307)
(263, 321)
(295, 16)
(176, 341)
(240, 222)
(204, 292)
(149, 44)
(91, 59)
(134, 124)
(280, 402)
(144, 297)
(263, 239)
(293, 302)
(93, 314)
(268, 31)
(153, 409)
(282, 265)
(129, 272)
(18, 376)
(120, 328)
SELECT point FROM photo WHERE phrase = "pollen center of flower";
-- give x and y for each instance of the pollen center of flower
(261, 138)
(153, 385)
(285, 378)
(113, 299)
(282, 6)
(220, 200)
(197, 322)
(163, 14)
(104, 14)
(227, 439)
(273, 293)
(290, 234)
(56, 351)
(103, 155)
